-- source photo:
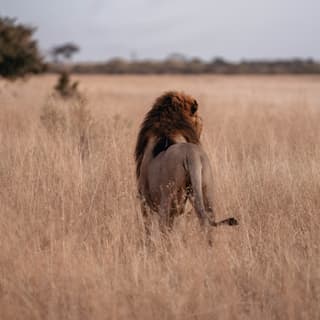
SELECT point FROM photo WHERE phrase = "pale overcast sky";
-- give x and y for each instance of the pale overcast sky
(233, 29)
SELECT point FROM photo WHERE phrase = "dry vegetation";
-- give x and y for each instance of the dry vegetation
(71, 239)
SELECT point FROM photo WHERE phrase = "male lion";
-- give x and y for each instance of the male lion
(171, 165)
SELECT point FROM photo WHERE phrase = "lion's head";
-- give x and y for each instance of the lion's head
(173, 116)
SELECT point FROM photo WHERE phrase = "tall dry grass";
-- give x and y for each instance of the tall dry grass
(71, 236)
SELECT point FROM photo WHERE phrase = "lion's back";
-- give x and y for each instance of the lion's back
(173, 165)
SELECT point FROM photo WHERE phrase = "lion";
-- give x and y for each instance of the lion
(171, 165)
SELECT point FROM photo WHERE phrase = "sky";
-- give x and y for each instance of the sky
(232, 29)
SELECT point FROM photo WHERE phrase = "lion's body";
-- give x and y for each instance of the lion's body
(172, 167)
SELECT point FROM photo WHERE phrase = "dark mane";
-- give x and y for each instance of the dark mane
(166, 119)
(163, 144)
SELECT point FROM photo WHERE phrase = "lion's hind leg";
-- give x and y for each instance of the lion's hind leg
(169, 208)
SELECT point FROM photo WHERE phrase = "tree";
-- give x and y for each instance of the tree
(65, 87)
(19, 53)
(66, 50)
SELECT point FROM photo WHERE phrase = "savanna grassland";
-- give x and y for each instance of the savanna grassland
(72, 244)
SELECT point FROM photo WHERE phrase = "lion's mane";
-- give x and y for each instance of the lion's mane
(171, 116)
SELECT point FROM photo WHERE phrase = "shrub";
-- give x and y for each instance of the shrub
(69, 121)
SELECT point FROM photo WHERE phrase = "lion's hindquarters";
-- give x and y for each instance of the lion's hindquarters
(182, 167)
(182, 172)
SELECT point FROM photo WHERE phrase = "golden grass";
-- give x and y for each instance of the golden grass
(71, 236)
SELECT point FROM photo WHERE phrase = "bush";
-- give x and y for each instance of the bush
(19, 53)
(65, 88)
(69, 120)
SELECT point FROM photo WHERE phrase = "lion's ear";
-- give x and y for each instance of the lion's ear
(194, 107)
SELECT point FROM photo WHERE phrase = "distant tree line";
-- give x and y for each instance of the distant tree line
(198, 66)
(20, 55)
